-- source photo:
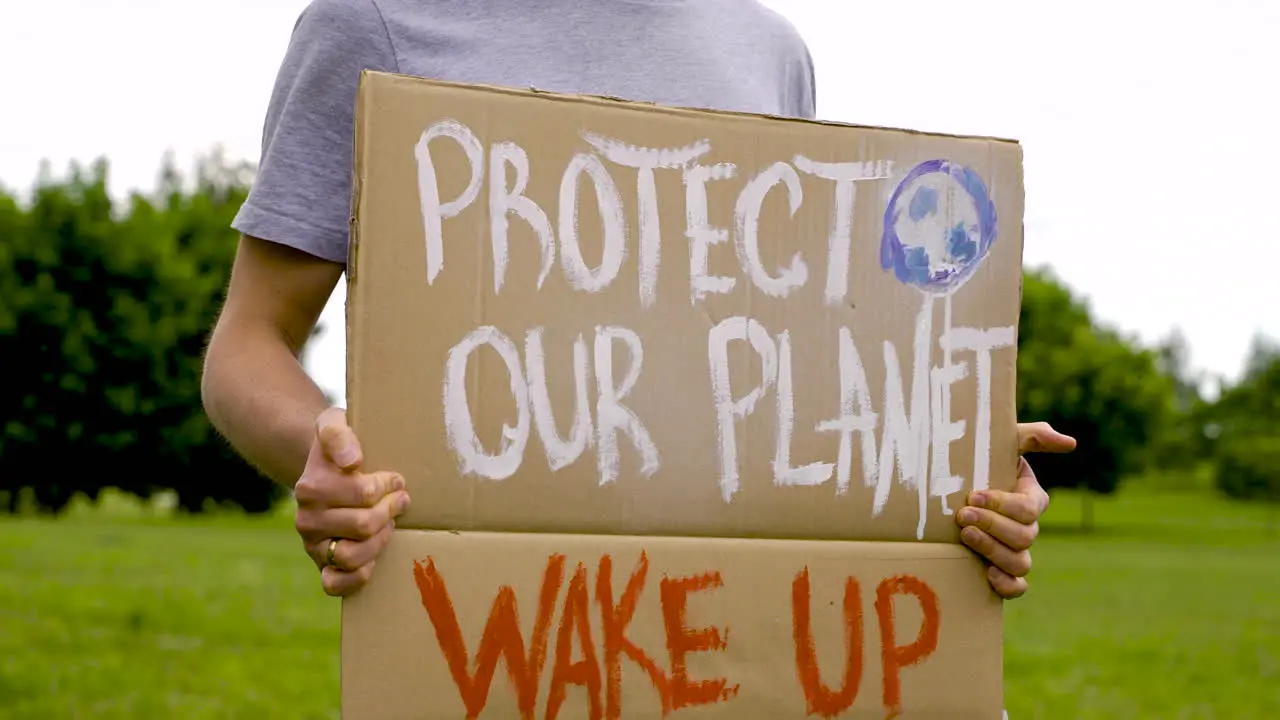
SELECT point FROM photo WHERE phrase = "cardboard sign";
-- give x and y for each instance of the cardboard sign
(502, 625)
(580, 315)
(660, 382)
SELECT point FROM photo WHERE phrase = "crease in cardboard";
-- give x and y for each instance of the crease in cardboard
(477, 388)
(355, 326)
(869, 550)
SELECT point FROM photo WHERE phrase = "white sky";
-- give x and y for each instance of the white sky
(1151, 130)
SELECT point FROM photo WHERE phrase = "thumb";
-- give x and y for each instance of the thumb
(337, 440)
(1040, 437)
(1027, 481)
(1033, 500)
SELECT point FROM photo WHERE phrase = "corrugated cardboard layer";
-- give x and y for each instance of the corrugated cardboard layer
(507, 626)
(793, 310)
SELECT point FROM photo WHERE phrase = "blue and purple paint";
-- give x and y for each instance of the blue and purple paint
(930, 239)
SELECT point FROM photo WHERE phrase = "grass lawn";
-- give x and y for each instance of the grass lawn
(1169, 610)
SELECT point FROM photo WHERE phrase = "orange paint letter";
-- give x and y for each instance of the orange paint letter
(894, 658)
(501, 638)
(682, 641)
(615, 619)
(585, 672)
(819, 699)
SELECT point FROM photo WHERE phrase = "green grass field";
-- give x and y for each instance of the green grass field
(1169, 610)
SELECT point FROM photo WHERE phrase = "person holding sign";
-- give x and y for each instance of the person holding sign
(733, 55)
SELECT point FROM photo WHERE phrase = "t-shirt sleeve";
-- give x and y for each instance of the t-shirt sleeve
(301, 195)
(795, 62)
(804, 90)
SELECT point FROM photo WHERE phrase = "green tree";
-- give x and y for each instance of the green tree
(104, 315)
(1091, 383)
(1246, 420)
(67, 382)
(1263, 352)
(1184, 445)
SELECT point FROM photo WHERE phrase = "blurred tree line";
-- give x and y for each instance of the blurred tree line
(105, 311)
(104, 316)
(1139, 410)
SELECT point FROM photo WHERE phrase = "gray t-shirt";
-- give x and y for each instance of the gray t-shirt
(718, 54)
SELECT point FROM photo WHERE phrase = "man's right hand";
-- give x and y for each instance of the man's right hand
(338, 502)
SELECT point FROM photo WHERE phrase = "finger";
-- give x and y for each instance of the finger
(1029, 486)
(1040, 437)
(1023, 507)
(340, 583)
(1014, 562)
(1008, 532)
(350, 555)
(1005, 585)
(350, 523)
(357, 490)
(337, 440)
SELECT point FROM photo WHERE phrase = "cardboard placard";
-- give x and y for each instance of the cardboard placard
(505, 625)
(724, 342)
(736, 344)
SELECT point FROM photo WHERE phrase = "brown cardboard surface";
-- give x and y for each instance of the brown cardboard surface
(712, 622)
(666, 290)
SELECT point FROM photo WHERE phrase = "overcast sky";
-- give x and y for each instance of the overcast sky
(1151, 130)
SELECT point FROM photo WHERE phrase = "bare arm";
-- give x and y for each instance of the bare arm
(291, 254)
(254, 388)
(259, 397)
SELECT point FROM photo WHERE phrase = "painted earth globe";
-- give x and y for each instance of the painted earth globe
(938, 226)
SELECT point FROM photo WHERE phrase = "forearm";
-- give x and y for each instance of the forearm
(258, 396)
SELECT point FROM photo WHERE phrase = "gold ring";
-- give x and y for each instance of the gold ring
(333, 547)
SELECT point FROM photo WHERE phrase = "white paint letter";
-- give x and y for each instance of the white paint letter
(503, 201)
(845, 175)
(611, 414)
(615, 228)
(560, 453)
(433, 211)
(906, 435)
(646, 160)
(854, 396)
(981, 342)
(729, 410)
(747, 215)
(460, 425)
(945, 431)
(783, 473)
(702, 235)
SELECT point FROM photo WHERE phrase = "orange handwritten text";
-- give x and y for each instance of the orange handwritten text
(594, 671)
(585, 672)
(683, 641)
(819, 699)
(598, 673)
(892, 656)
(501, 638)
(615, 619)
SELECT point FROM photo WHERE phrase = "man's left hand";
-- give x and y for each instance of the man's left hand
(1001, 525)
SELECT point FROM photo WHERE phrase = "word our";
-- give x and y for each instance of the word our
(599, 671)
(914, 438)
(507, 199)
